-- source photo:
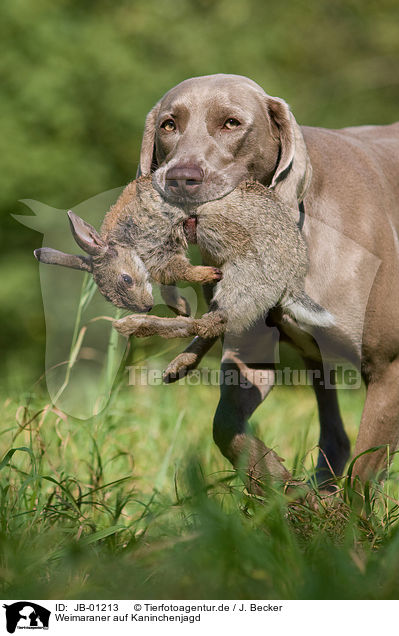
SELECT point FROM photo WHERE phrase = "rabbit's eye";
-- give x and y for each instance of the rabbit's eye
(127, 279)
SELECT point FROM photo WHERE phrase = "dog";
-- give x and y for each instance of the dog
(209, 133)
(204, 137)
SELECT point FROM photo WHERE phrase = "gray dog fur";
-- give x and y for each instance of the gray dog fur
(349, 182)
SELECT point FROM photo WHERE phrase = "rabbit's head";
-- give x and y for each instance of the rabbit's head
(118, 271)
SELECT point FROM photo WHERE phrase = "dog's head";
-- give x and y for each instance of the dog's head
(209, 133)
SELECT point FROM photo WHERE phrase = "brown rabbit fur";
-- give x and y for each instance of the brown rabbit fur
(252, 236)
(249, 233)
(141, 236)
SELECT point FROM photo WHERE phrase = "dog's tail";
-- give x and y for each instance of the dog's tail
(307, 311)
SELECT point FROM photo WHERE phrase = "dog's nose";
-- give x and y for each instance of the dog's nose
(184, 176)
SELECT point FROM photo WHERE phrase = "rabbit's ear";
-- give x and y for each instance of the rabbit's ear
(54, 257)
(86, 236)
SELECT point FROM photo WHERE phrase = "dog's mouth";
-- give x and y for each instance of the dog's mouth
(190, 192)
(186, 194)
(182, 185)
(190, 229)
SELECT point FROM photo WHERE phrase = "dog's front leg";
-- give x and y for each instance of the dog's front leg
(238, 400)
(188, 359)
(193, 354)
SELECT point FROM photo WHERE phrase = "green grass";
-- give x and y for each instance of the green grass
(138, 503)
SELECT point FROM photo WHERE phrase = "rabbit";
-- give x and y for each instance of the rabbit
(141, 238)
(252, 237)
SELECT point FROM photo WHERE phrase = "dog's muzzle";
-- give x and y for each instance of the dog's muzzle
(184, 180)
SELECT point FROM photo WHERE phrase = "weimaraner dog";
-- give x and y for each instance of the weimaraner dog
(208, 134)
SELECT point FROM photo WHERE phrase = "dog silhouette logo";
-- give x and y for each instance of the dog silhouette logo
(26, 615)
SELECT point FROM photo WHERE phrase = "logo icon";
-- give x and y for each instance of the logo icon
(26, 615)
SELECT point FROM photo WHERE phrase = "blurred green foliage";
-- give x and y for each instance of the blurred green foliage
(77, 79)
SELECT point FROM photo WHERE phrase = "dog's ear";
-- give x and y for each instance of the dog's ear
(148, 159)
(293, 173)
(55, 257)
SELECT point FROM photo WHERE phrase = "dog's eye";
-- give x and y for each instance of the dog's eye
(127, 279)
(169, 125)
(231, 123)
